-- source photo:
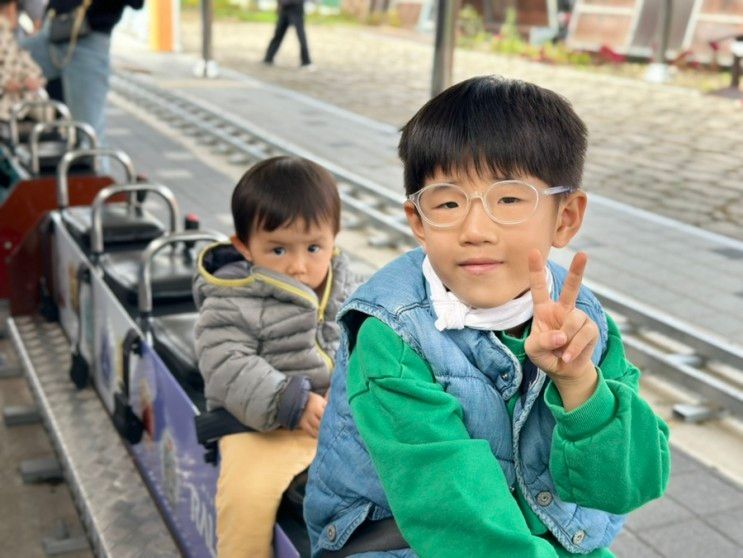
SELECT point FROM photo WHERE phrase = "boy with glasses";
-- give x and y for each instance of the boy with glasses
(482, 404)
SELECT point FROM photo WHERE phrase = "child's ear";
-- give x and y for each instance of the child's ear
(241, 247)
(570, 215)
(416, 223)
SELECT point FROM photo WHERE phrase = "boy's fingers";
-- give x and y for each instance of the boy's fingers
(537, 278)
(587, 336)
(572, 323)
(548, 341)
(573, 281)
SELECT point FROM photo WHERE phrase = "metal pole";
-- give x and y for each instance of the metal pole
(443, 54)
(736, 50)
(658, 69)
(665, 30)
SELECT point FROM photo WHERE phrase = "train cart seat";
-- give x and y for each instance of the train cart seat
(171, 277)
(173, 339)
(24, 132)
(120, 226)
(50, 154)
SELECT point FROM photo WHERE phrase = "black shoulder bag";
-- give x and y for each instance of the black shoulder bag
(68, 28)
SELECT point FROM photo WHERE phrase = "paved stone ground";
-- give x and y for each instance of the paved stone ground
(665, 149)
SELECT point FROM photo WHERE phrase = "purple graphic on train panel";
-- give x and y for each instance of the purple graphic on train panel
(170, 458)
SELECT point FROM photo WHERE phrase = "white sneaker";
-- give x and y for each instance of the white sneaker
(308, 67)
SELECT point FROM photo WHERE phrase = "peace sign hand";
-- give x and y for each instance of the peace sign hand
(562, 337)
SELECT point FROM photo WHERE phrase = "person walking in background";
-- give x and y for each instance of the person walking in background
(78, 51)
(291, 12)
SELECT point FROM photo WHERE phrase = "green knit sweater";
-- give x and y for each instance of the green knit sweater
(447, 491)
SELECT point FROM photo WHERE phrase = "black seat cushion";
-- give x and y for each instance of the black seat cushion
(174, 342)
(24, 131)
(171, 275)
(119, 225)
(50, 153)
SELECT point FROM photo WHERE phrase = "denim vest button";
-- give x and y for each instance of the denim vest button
(578, 537)
(544, 499)
(504, 376)
(330, 532)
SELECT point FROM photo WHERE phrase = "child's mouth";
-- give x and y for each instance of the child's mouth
(480, 266)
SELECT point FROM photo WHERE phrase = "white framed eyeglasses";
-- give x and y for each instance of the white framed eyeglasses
(507, 202)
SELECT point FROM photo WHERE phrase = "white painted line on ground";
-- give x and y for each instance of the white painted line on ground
(178, 156)
(118, 132)
(174, 174)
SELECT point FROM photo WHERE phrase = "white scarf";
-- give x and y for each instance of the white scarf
(452, 313)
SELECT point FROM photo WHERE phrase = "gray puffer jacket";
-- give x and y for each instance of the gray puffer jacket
(263, 339)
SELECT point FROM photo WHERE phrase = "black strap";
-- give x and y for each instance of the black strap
(212, 425)
(370, 536)
(130, 344)
(83, 276)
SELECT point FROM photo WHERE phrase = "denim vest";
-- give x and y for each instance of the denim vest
(476, 368)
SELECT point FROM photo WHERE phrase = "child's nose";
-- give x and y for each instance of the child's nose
(298, 266)
(477, 226)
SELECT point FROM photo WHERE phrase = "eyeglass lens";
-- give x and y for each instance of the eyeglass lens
(507, 202)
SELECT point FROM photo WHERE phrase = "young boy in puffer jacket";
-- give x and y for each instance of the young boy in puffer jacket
(266, 338)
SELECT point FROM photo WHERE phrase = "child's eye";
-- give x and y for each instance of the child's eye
(279, 250)
(313, 249)
(448, 205)
(508, 200)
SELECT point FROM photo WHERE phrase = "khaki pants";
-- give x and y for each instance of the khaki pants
(255, 470)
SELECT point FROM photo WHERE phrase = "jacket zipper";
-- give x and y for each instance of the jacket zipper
(321, 318)
(312, 300)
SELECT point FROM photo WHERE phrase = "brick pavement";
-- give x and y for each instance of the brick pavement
(665, 149)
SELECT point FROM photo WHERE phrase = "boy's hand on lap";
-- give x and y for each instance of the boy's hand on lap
(313, 411)
(562, 337)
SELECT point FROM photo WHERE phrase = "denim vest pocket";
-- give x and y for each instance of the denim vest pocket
(336, 533)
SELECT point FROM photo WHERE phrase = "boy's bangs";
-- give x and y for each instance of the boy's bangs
(497, 129)
(488, 145)
(479, 160)
(284, 208)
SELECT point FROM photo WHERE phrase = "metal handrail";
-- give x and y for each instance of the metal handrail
(42, 127)
(63, 168)
(96, 229)
(18, 108)
(145, 262)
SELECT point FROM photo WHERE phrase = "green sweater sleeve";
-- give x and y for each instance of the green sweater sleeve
(447, 491)
(612, 452)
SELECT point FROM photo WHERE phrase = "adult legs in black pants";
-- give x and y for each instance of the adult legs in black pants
(292, 14)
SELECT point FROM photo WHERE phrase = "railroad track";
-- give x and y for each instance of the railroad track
(709, 367)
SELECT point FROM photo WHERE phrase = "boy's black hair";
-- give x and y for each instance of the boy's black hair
(280, 190)
(499, 126)
(4, 3)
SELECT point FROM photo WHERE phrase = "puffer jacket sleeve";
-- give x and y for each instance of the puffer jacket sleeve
(235, 377)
